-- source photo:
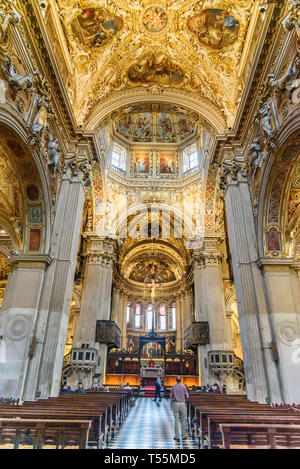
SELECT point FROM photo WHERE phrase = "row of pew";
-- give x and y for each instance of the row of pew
(218, 421)
(70, 420)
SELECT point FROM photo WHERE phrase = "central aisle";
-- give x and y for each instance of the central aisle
(149, 426)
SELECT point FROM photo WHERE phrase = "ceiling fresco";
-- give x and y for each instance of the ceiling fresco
(161, 127)
(148, 272)
(190, 46)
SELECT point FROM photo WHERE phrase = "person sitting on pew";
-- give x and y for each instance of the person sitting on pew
(80, 389)
(217, 388)
(128, 387)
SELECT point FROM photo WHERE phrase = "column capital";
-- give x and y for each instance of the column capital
(209, 255)
(78, 171)
(99, 250)
(233, 173)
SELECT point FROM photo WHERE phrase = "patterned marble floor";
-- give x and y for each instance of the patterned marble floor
(149, 426)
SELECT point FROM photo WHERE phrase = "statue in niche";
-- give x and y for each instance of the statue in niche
(16, 81)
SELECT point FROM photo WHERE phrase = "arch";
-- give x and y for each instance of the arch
(111, 104)
(13, 127)
(276, 187)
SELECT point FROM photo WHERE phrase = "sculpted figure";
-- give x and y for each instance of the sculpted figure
(289, 81)
(265, 121)
(254, 159)
(53, 151)
(41, 116)
(16, 81)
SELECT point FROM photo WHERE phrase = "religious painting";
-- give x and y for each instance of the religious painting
(133, 344)
(152, 350)
(141, 161)
(34, 240)
(171, 344)
(95, 27)
(167, 163)
(124, 125)
(165, 128)
(156, 67)
(273, 240)
(147, 272)
(185, 127)
(214, 28)
(143, 128)
(155, 19)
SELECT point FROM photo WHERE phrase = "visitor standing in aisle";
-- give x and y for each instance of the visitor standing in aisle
(179, 395)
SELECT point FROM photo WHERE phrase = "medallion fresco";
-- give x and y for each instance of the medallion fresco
(214, 28)
(155, 19)
(156, 67)
(95, 27)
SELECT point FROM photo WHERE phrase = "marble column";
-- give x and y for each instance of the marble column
(18, 317)
(282, 275)
(261, 373)
(123, 321)
(179, 310)
(45, 367)
(115, 310)
(96, 295)
(210, 303)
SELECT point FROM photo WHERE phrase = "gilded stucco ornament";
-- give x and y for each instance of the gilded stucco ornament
(112, 45)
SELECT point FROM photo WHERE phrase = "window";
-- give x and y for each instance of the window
(150, 317)
(118, 158)
(173, 316)
(190, 158)
(128, 313)
(137, 316)
(162, 317)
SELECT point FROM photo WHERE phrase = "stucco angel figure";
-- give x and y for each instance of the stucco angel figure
(255, 157)
(41, 117)
(53, 151)
(16, 81)
(265, 121)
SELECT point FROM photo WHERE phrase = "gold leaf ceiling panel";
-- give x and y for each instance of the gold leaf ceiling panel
(193, 46)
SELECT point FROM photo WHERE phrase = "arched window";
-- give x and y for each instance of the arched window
(162, 317)
(173, 317)
(137, 316)
(128, 313)
(150, 317)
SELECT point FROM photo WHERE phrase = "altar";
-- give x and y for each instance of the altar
(152, 372)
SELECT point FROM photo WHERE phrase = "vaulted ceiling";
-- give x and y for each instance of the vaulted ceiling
(186, 49)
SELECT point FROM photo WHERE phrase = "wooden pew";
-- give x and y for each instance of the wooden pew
(272, 436)
(42, 432)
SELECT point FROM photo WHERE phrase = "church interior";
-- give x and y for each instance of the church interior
(149, 220)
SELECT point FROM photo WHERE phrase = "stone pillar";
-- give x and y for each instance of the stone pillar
(178, 324)
(283, 288)
(210, 303)
(18, 318)
(45, 367)
(123, 327)
(262, 379)
(115, 310)
(96, 295)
